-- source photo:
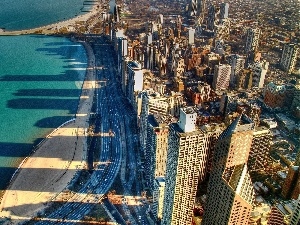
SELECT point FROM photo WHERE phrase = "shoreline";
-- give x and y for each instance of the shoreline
(81, 118)
(85, 16)
(35, 146)
(51, 28)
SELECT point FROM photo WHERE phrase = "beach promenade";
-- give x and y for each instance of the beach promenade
(44, 174)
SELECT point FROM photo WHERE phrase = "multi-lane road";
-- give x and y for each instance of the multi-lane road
(116, 130)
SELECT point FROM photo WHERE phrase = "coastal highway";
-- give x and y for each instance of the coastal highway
(110, 150)
(116, 128)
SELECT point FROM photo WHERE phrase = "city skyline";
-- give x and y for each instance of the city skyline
(189, 114)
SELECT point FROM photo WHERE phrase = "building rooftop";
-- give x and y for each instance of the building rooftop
(188, 110)
(241, 123)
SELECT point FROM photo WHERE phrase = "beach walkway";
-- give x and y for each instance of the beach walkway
(48, 171)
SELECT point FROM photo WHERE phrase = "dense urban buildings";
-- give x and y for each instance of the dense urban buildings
(212, 95)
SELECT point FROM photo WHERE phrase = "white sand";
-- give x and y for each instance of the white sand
(47, 172)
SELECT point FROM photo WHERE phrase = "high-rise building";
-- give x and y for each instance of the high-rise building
(124, 73)
(193, 8)
(291, 185)
(134, 80)
(186, 166)
(278, 95)
(259, 156)
(244, 79)
(191, 35)
(122, 52)
(296, 100)
(222, 29)
(196, 8)
(212, 59)
(289, 57)
(259, 70)
(178, 66)
(221, 77)
(290, 182)
(252, 40)
(178, 26)
(158, 197)
(156, 147)
(201, 7)
(149, 56)
(230, 190)
(224, 10)
(211, 17)
(237, 64)
(285, 213)
(295, 217)
(155, 110)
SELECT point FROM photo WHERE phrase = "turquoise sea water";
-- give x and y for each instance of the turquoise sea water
(25, 14)
(40, 84)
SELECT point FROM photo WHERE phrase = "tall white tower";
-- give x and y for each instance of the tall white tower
(187, 121)
(191, 35)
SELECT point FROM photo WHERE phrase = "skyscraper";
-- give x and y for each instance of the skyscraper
(230, 190)
(295, 217)
(158, 197)
(191, 35)
(289, 57)
(259, 156)
(196, 7)
(296, 100)
(237, 63)
(200, 7)
(221, 77)
(211, 17)
(186, 166)
(193, 8)
(156, 148)
(224, 10)
(259, 73)
(252, 40)
(134, 80)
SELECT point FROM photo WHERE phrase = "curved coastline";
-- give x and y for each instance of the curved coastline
(80, 122)
(71, 21)
(51, 28)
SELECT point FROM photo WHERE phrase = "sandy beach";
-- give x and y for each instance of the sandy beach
(44, 174)
(52, 28)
